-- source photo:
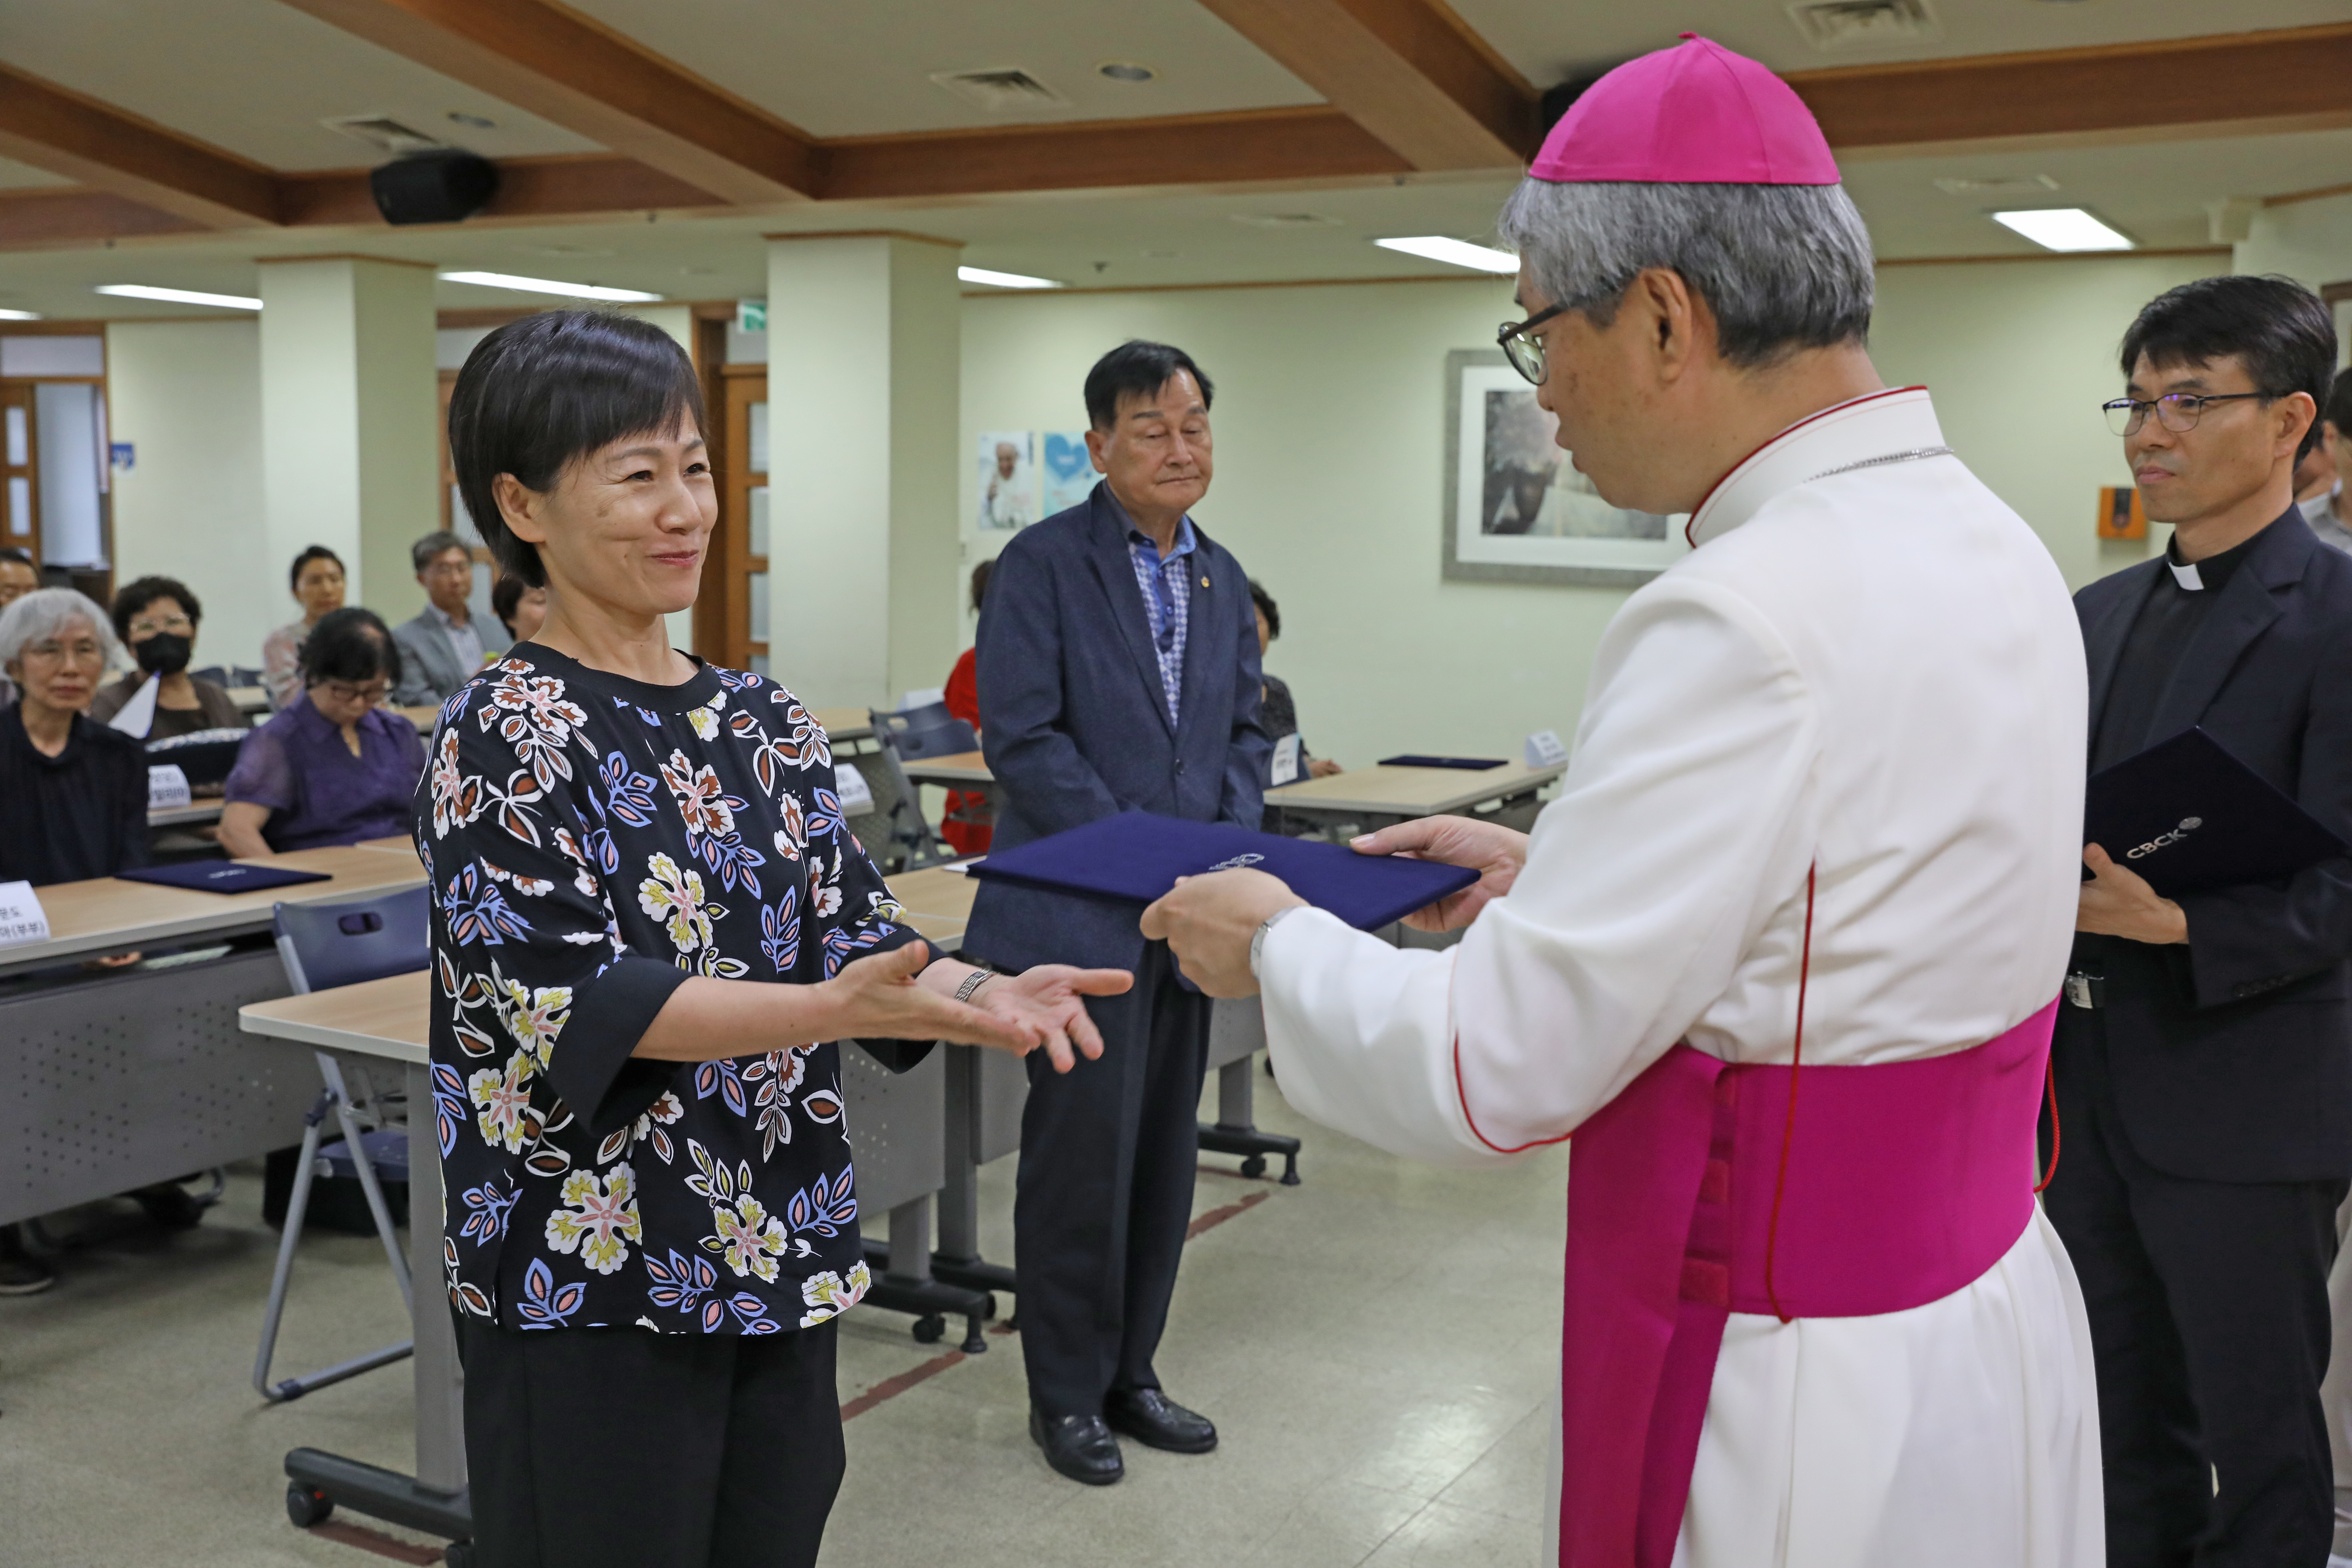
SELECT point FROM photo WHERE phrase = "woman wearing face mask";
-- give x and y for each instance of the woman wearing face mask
(156, 617)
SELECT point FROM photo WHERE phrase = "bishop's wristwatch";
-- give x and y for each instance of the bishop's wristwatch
(1257, 937)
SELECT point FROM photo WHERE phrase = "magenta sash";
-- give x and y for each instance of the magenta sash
(1903, 1183)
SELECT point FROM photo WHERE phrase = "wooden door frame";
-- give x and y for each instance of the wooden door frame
(743, 386)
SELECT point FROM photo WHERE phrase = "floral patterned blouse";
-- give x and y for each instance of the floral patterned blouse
(592, 841)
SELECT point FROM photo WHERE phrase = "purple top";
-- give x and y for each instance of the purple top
(316, 791)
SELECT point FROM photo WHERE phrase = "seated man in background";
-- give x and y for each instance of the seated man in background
(157, 617)
(316, 579)
(18, 577)
(334, 766)
(965, 823)
(442, 647)
(1277, 715)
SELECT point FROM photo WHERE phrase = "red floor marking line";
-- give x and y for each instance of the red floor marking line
(1218, 1216)
(382, 1545)
(891, 1387)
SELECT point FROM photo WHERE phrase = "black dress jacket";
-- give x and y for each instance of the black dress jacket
(2231, 1055)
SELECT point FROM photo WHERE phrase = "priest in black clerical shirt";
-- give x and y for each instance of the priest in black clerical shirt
(2203, 1073)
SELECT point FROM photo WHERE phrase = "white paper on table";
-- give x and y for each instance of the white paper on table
(1285, 759)
(137, 716)
(167, 787)
(1544, 749)
(850, 785)
(22, 919)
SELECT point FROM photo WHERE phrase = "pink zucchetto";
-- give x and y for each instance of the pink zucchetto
(1694, 114)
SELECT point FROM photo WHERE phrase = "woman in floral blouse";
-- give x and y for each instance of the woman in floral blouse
(650, 921)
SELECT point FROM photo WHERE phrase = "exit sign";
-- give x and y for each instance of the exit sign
(750, 315)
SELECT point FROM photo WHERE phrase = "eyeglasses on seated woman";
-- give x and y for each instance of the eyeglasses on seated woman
(650, 922)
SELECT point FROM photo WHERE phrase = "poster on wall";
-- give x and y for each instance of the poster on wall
(1517, 509)
(1008, 480)
(1069, 473)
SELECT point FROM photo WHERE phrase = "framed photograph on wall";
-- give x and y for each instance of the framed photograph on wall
(1007, 461)
(1516, 508)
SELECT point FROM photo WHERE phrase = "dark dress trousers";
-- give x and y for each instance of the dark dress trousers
(2205, 1106)
(1074, 725)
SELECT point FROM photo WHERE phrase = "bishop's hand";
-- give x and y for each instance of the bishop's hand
(2118, 901)
(1207, 922)
(1497, 853)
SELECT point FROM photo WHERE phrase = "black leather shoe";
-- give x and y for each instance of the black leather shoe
(1153, 1419)
(1079, 1447)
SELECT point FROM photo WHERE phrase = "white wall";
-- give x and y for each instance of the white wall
(187, 397)
(1329, 455)
(2309, 241)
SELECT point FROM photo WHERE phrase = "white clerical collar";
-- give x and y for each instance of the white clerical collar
(1900, 421)
(2185, 576)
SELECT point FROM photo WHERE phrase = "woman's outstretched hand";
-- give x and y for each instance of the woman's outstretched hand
(1050, 1001)
(1495, 852)
(875, 998)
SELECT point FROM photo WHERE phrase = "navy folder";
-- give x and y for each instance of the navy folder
(222, 876)
(1415, 760)
(1135, 857)
(2188, 816)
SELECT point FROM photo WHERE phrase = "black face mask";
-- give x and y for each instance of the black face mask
(165, 653)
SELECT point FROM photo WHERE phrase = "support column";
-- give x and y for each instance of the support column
(865, 361)
(350, 408)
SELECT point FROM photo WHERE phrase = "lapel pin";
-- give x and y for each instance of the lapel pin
(1204, 582)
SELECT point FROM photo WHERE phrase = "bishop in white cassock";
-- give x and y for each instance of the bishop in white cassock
(1782, 956)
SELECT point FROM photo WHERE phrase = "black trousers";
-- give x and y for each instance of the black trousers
(2208, 1303)
(623, 1449)
(1109, 1153)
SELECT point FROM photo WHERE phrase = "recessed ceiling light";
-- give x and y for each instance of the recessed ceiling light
(1286, 220)
(2062, 228)
(178, 296)
(1004, 279)
(19, 315)
(384, 133)
(549, 286)
(1456, 252)
(1008, 89)
(474, 121)
(1996, 186)
(1126, 70)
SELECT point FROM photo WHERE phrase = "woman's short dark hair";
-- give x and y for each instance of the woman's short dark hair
(979, 583)
(539, 394)
(316, 552)
(2279, 330)
(133, 598)
(1266, 607)
(1136, 368)
(506, 597)
(351, 644)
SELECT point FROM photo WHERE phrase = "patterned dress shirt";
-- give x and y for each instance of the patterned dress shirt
(1166, 583)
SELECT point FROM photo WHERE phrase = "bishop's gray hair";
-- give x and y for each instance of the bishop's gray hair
(1782, 267)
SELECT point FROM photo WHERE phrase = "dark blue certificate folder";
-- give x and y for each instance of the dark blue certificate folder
(1135, 857)
(222, 876)
(1468, 764)
(2188, 816)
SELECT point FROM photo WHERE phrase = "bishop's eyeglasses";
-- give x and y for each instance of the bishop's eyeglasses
(1522, 347)
(2177, 412)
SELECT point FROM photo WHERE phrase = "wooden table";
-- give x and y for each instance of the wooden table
(936, 903)
(842, 725)
(197, 813)
(420, 716)
(1378, 795)
(958, 770)
(250, 699)
(390, 844)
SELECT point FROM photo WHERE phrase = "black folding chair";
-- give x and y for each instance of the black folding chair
(909, 736)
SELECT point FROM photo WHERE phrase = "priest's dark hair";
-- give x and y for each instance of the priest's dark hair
(1136, 368)
(2281, 331)
(351, 644)
(538, 394)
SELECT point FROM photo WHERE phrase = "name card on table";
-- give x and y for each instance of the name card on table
(22, 919)
(850, 785)
(167, 787)
(1285, 759)
(1545, 750)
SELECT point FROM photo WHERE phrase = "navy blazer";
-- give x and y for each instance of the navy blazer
(1073, 718)
(2231, 1056)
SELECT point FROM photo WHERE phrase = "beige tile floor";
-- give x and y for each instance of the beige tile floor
(1373, 1344)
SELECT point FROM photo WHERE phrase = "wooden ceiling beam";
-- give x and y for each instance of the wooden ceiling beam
(2290, 78)
(1409, 71)
(100, 146)
(53, 218)
(568, 68)
(566, 188)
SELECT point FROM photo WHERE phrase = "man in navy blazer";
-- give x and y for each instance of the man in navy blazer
(1117, 666)
(2203, 1069)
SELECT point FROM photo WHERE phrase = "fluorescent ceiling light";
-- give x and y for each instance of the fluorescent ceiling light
(19, 315)
(549, 285)
(178, 296)
(1456, 252)
(2062, 228)
(1004, 279)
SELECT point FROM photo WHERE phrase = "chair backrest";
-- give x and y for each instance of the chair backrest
(912, 843)
(920, 733)
(216, 674)
(325, 945)
(238, 674)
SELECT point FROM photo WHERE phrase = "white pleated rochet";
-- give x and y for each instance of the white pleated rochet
(1878, 673)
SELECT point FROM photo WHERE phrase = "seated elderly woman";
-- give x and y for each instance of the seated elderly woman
(157, 616)
(650, 913)
(334, 766)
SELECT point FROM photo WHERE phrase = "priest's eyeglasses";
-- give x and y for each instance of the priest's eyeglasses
(1523, 348)
(2177, 411)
